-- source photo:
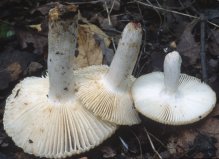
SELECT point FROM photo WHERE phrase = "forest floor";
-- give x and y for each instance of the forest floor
(186, 26)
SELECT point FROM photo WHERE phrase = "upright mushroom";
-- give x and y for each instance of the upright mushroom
(172, 98)
(42, 115)
(106, 90)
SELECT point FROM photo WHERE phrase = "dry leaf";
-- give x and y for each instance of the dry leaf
(115, 4)
(89, 50)
(180, 144)
(5, 79)
(15, 70)
(37, 27)
(33, 67)
(197, 140)
(108, 152)
(211, 126)
(214, 43)
(187, 45)
(37, 40)
(44, 9)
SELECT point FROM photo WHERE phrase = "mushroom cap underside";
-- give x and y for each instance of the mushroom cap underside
(111, 104)
(49, 129)
(193, 100)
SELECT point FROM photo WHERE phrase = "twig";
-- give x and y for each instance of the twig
(11, 25)
(167, 10)
(161, 21)
(79, 3)
(157, 140)
(172, 11)
(213, 24)
(109, 11)
(144, 39)
(139, 142)
(202, 49)
(109, 20)
(112, 6)
(152, 145)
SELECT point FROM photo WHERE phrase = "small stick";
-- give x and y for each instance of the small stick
(109, 20)
(157, 139)
(139, 142)
(171, 11)
(152, 145)
(167, 10)
(202, 48)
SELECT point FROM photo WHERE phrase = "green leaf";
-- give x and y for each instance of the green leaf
(6, 31)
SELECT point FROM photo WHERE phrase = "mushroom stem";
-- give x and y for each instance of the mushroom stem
(172, 64)
(62, 36)
(126, 55)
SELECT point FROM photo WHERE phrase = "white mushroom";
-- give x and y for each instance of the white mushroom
(42, 115)
(107, 91)
(172, 98)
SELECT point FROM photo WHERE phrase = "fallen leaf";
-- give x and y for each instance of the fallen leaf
(33, 67)
(115, 4)
(104, 22)
(12, 64)
(4, 79)
(203, 146)
(44, 9)
(214, 43)
(38, 41)
(6, 31)
(211, 127)
(197, 141)
(187, 45)
(89, 50)
(108, 152)
(15, 70)
(180, 144)
(36, 26)
(21, 155)
(107, 53)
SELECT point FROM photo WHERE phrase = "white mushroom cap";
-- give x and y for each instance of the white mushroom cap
(172, 98)
(52, 130)
(107, 90)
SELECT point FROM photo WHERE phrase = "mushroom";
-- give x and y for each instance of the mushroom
(106, 91)
(172, 98)
(42, 115)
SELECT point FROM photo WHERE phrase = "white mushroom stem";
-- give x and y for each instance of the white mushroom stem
(172, 64)
(126, 55)
(62, 43)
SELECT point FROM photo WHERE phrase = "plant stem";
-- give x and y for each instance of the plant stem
(62, 43)
(202, 49)
(126, 55)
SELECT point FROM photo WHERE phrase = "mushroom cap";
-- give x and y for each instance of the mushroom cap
(193, 100)
(48, 129)
(111, 104)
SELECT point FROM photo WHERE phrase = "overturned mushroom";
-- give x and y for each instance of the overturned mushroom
(42, 115)
(172, 98)
(106, 90)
